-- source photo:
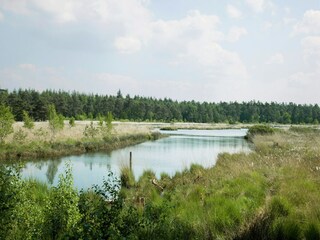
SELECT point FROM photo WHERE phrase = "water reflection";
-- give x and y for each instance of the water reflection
(167, 155)
(52, 170)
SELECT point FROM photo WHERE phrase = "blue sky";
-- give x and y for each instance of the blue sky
(205, 50)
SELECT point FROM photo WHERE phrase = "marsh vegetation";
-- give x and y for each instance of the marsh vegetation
(270, 193)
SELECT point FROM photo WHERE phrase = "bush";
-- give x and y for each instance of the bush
(6, 121)
(259, 130)
(62, 214)
(19, 136)
(90, 131)
(72, 122)
(28, 121)
(9, 197)
(55, 120)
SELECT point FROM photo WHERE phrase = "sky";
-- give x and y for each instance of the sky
(204, 50)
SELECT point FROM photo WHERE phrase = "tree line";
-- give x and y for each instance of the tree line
(91, 106)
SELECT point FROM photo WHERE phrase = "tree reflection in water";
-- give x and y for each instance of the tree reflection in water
(52, 170)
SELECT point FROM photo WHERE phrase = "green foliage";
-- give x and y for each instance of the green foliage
(19, 136)
(100, 120)
(286, 229)
(101, 211)
(72, 122)
(28, 121)
(81, 117)
(9, 198)
(127, 177)
(259, 195)
(259, 130)
(6, 121)
(84, 107)
(28, 222)
(62, 214)
(90, 131)
(55, 120)
(40, 133)
(109, 119)
(312, 231)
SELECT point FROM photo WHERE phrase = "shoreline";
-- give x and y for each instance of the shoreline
(39, 150)
(36, 143)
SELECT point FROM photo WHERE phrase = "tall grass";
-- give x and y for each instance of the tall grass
(273, 192)
(126, 177)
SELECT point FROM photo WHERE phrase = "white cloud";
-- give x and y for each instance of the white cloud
(303, 82)
(194, 26)
(310, 23)
(289, 21)
(311, 49)
(277, 58)
(235, 33)
(64, 11)
(233, 12)
(256, 5)
(31, 76)
(127, 45)
(28, 67)
(195, 40)
(259, 6)
(16, 6)
(1, 16)
(287, 10)
(267, 25)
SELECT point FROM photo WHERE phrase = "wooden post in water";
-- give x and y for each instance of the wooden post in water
(130, 161)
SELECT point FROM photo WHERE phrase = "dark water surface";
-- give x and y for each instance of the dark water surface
(169, 155)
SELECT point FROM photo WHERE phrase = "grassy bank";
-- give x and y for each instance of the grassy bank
(272, 193)
(40, 142)
(36, 149)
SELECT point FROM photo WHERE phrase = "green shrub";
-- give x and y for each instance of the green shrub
(62, 214)
(19, 136)
(90, 131)
(72, 122)
(28, 121)
(6, 121)
(259, 130)
(55, 120)
(9, 197)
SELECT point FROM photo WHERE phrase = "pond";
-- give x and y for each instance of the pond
(169, 155)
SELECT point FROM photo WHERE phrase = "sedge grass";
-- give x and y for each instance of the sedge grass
(271, 192)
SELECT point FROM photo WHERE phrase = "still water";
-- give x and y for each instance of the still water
(169, 155)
